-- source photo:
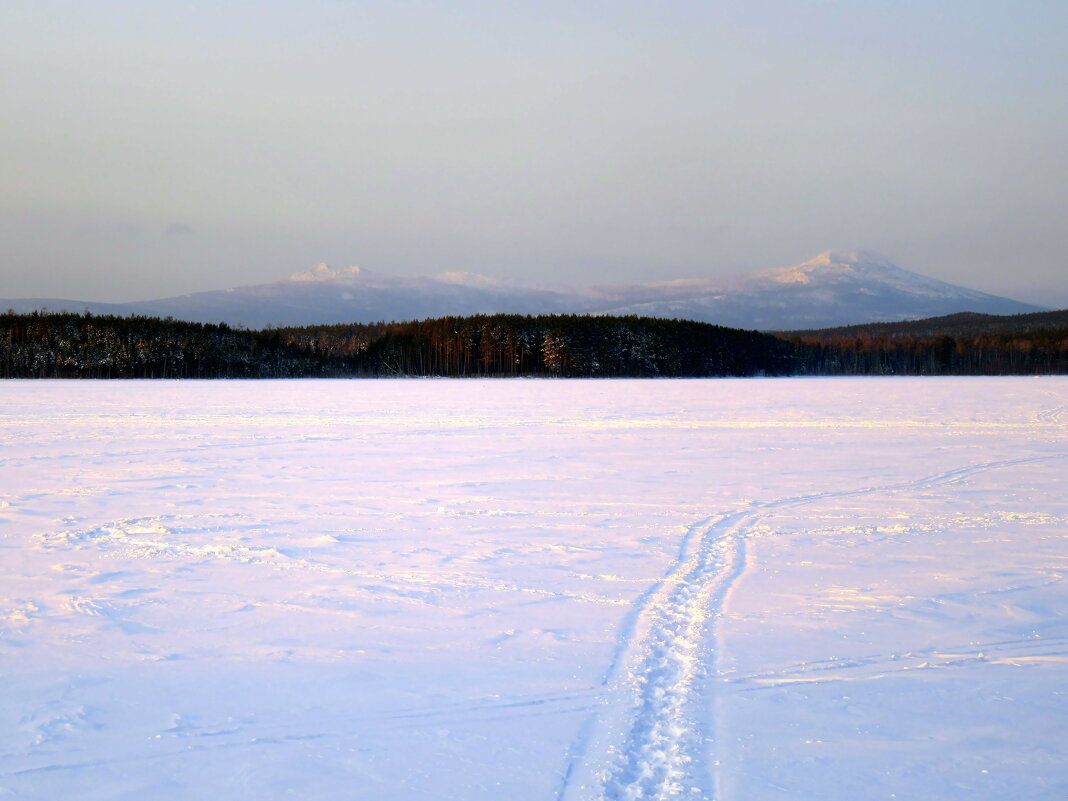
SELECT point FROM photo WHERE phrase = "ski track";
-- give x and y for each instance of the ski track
(182, 739)
(667, 650)
(1054, 416)
(1013, 652)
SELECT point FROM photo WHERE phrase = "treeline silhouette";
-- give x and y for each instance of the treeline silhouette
(956, 344)
(573, 345)
(961, 324)
(63, 345)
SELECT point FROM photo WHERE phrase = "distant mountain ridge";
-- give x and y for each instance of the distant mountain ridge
(832, 289)
(835, 288)
(959, 324)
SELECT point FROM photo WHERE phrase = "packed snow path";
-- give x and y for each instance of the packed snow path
(668, 750)
(400, 590)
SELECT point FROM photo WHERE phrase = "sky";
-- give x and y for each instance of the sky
(154, 149)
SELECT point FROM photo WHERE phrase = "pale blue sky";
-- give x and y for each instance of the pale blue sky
(155, 148)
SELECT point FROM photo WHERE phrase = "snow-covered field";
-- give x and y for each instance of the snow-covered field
(559, 590)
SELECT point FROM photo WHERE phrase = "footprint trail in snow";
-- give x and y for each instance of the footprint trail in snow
(668, 744)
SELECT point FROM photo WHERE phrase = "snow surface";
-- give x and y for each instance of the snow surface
(744, 590)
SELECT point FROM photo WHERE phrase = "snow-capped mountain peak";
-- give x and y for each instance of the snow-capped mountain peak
(829, 289)
(461, 278)
(848, 259)
(834, 288)
(865, 272)
(836, 264)
(324, 272)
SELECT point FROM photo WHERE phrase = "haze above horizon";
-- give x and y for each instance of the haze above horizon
(160, 149)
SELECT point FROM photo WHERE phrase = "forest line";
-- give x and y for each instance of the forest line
(65, 345)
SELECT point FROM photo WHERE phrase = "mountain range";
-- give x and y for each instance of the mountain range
(833, 289)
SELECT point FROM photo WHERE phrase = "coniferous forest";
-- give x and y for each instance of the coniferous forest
(957, 344)
(63, 345)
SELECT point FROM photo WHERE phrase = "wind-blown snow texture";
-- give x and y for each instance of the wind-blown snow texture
(743, 590)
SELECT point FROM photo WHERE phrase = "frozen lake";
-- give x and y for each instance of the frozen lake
(746, 590)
